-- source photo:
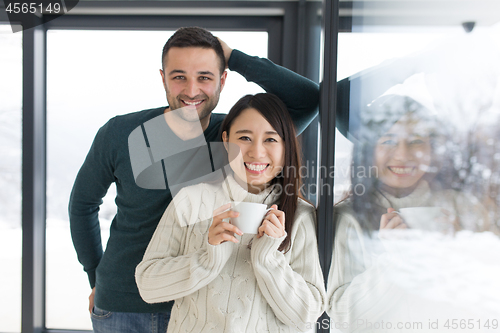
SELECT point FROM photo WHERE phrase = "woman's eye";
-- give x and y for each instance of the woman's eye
(417, 142)
(389, 143)
(271, 140)
(244, 138)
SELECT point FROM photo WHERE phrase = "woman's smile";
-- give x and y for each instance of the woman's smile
(402, 171)
(256, 168)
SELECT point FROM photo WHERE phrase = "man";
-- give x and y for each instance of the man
(193, 76)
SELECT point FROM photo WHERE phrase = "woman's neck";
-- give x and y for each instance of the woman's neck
(398, 192)
(254, 189)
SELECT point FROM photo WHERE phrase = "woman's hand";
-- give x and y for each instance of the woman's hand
(273, 224)
(226, 49)
(392, 220)
(220, 231)
(447, 223)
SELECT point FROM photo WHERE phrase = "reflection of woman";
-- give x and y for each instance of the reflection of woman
(220, 279)
(395, 165)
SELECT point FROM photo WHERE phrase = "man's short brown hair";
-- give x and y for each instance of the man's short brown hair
(195, 37)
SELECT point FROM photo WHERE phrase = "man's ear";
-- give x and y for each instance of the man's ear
(223, 80)
(163, 79)
(225, 139)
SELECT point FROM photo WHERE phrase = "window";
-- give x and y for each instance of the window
(10, 177)
(385, 46)
(424, 112)
(93, 76)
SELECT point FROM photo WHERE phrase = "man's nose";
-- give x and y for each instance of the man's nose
(192, 89)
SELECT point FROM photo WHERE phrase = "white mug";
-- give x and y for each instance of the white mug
(251, 216)
(424, 218)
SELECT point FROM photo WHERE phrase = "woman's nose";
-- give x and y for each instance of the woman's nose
(402, 151)
(257, 150)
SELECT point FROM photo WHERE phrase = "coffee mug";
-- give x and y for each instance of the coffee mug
(424, 218)
(251, 216)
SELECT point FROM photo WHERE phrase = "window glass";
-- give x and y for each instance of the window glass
(91, 77)
(417, 172)
(10, 177)
(385, 46)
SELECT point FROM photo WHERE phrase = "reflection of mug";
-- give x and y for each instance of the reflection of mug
(422, 217)
(251, 216)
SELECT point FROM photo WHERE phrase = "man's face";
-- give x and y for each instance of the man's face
(192, 79)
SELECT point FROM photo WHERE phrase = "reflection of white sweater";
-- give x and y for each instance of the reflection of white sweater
(400, 280)
(231, 287)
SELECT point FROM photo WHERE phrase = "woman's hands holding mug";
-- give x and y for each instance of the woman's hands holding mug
(392, 220)
(220, 231)
(273, 224)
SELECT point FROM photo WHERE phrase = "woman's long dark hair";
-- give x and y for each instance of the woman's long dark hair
(377, 119)
(276, 113)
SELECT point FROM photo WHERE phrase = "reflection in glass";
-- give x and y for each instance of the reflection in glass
(417, 232)
(385, 46)
(93, 76)
(10, 178)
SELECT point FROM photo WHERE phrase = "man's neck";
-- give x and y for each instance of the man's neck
(185, 130)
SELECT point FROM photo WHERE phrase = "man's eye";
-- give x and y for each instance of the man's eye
(204, 78)
(416, 142)
(179, 77)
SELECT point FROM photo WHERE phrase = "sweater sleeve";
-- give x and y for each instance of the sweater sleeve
(358, 290)
(91, 184)
(166, 272)
(295, 289)
(300, 95)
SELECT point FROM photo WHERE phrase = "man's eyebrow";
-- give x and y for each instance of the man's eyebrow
(206, 73)
(179, 71)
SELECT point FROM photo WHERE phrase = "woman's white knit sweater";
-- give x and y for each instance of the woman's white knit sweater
(372, 282)
(231, 287)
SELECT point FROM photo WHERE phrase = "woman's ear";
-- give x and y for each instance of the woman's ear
(225, 139)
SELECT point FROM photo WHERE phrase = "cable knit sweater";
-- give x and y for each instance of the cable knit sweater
(373, 282)
(231, 287)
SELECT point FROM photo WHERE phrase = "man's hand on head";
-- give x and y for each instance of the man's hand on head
(227, 50)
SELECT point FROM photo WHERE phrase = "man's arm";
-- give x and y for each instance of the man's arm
(300, 95)
(91, 185)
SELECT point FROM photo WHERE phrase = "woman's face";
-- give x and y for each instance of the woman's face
(262, 150)
(403, 154)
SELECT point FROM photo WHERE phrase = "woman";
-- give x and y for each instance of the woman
(374, 277)
(221, 279)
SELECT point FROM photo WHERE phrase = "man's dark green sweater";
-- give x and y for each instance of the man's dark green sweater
(139, 209)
